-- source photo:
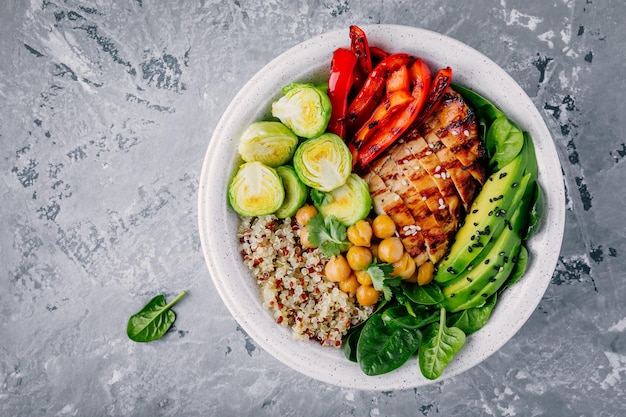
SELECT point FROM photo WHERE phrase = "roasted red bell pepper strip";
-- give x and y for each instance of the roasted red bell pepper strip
(398, 80)
(377, 55)
(360, 48)
(339, 85)
(372, 92)
(441, 82)
(397, 125)
(384, 111)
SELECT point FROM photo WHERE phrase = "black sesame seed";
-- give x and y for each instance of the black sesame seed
(484, 295)
(450, 270)
(469, 279)
(487, 261)
(502, 175)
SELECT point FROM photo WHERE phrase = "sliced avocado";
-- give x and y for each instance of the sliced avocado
(349, 203)
(485, 220)
(484, 276)
(491, 269)
(295, 192)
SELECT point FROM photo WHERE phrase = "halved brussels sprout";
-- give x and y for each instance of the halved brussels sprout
(295, 192)
(271, 143)
(349, 203)
(304, 108)
(256, 190)
(324, 162)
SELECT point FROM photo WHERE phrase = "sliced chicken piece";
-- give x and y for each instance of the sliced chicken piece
(386, 201)
(418, 162)
(454, 123)
(465, 184)
(427, 225)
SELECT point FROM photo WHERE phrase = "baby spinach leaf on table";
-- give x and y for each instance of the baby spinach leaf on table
(382, 349)
(472, 319)
(154, 319)
(429, 294)
(439, 345)
(327, 233)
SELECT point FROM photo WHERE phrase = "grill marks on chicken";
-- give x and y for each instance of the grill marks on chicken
(422, 181)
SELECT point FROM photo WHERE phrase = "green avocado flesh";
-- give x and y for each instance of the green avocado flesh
(486, 219)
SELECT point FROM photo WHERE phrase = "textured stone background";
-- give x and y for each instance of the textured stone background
(106, 109)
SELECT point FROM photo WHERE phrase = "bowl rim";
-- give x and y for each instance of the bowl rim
(305, 60)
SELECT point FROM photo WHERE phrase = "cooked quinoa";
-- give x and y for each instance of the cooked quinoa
(292, 282)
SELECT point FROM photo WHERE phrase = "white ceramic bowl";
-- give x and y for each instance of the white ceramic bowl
(310, 60)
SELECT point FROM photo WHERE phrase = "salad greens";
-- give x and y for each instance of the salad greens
(153, 320)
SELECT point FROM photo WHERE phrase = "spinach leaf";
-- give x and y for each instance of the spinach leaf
(400, 317)
(351, 338)
(472, 319)
(429, 294)
(438, 347)
(154, 319)
(382, 349)
(518, 269)
(504, 142)
(536, 213)
(483, 107)
(350, 342)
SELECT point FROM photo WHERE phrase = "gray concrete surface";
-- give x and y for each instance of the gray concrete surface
(106, 109)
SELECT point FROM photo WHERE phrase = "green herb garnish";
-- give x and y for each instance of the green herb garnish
(382, 279)
(328, 234)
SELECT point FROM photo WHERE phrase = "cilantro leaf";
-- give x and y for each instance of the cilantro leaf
(381, 278)
(328, 234)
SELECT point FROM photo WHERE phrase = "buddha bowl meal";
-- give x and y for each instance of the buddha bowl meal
(383, 210)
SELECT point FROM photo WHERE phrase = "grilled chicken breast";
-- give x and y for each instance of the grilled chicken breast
(429, 177)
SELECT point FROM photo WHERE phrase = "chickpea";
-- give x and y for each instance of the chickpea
(390, 250)
(363, 277)
(425, 273)
(337, 269)
(360, 233)
(374, 250)
(350, 285)
(359, 257)
(367, 295)
(405, 267)
(304, 239)
(383, 226)
(304, 214)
